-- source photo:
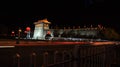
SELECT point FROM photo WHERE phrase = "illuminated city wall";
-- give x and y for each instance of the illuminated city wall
(42, 27)
(82, 32)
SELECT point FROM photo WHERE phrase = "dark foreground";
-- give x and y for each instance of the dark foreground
(83, 55)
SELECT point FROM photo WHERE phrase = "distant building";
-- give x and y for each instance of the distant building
(42, 29)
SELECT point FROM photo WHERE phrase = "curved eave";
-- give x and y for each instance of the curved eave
(43, 21)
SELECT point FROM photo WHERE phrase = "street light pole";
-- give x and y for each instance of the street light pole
(18, 40)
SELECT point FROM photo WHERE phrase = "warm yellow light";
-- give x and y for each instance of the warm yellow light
(20, 30)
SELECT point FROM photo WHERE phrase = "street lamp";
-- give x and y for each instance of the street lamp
(18, 40)
(19, 33)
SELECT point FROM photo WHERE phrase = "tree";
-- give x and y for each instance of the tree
(56, 33)
(47, 36)
(110, 33)
(64, 34)
(4, 31)
(71, 33)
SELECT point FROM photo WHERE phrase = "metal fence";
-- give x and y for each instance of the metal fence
(79, 56)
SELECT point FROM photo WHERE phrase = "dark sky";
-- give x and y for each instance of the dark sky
(58, 12)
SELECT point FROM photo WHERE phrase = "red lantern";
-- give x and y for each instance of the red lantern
(28, 28)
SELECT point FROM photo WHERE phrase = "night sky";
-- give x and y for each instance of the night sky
(61, 13)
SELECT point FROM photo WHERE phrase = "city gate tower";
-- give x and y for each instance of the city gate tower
(41, 28)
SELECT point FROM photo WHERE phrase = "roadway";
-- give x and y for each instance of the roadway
(44, 43)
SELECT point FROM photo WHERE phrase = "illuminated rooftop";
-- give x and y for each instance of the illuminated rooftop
(43, 21)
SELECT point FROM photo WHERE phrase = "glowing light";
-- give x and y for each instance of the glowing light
(7, 46)
(48, 32)
(28, 28)
(25, 31)
(20, 30)
(13, 32)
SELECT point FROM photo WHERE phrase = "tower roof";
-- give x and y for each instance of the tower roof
(42, 21)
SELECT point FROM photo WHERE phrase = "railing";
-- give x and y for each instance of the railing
(79, 56)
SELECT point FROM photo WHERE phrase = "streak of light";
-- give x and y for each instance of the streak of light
(7, 46)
